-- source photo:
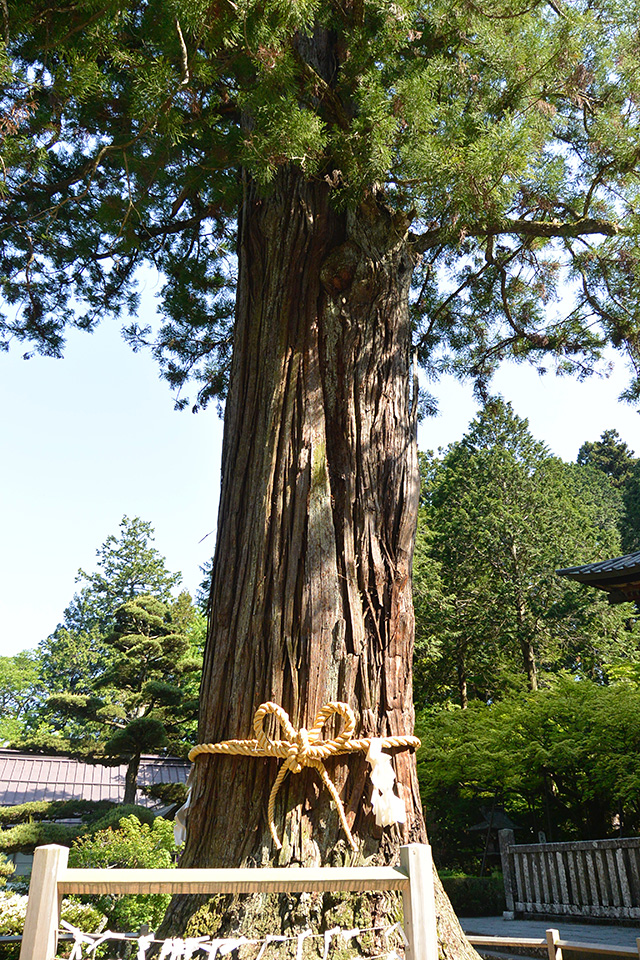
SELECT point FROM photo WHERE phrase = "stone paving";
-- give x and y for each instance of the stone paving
(610, 935)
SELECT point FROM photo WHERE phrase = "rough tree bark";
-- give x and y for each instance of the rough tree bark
(311, 597)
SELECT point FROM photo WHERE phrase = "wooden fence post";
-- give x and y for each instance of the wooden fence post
(506, 839)
(419, 902)
(555, 952)
(40, 938)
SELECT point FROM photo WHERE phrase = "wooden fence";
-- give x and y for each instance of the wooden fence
(554, 947)
(589, 878)
(51, 879)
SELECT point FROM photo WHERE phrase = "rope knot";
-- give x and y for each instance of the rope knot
(299, 754)
(304, 748)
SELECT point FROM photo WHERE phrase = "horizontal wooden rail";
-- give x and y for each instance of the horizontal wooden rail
(555, 946)
(506, 941)
(599, 948)
(51, 879)
(251, 880)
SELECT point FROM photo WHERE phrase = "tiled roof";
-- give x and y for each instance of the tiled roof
(609, 571)
(27, 777)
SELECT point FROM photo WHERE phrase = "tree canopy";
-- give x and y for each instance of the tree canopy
(613, 457)
(143, 698)
(610, 454)
(20, 691)
(95, 674)
(509, 137)
(128, 565)
(499, 514)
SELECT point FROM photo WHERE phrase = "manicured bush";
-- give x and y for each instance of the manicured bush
(54, 810)
(113, 817)
(475, 896)
(39, 824)
(25, 837)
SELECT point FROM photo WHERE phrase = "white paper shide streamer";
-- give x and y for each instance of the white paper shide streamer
(180, 819)
(388, 808)
(176, 948)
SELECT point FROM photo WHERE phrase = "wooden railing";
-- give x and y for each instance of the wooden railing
(589, 878)
(554, 946)
(51, 879)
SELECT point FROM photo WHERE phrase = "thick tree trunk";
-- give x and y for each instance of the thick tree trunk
(529, 661)
(311, 596)
(131, 779)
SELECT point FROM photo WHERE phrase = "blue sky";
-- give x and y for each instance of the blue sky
(89, 438)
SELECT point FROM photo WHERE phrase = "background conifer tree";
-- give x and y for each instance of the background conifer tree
(500, 515)
(138, 704)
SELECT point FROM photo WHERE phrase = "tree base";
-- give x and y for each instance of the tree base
(258, 916)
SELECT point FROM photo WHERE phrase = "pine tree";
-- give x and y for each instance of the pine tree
(128, 566)
(138, 698)
(613, 457)
(345, 154)
(70, 661)
(631, 524)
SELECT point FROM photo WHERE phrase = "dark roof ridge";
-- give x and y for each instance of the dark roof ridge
(613, 567)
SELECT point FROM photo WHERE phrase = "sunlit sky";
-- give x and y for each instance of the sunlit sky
(94, 436)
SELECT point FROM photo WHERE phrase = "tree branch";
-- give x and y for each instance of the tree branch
(177, 226)
(585, 226)
(184, 56)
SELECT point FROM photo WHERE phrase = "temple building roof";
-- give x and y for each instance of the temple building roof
(27, 777)
(619, 577)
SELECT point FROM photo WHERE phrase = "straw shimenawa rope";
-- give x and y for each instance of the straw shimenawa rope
(302, 748)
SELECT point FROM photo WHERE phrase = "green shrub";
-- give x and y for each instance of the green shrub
(7, 869)
(38, 824)
(13, 908)
(135, 845)
(475, 896)
(55, 810)
(113, 817)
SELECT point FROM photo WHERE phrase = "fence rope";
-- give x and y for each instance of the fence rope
(306, 748)
(176, 948)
